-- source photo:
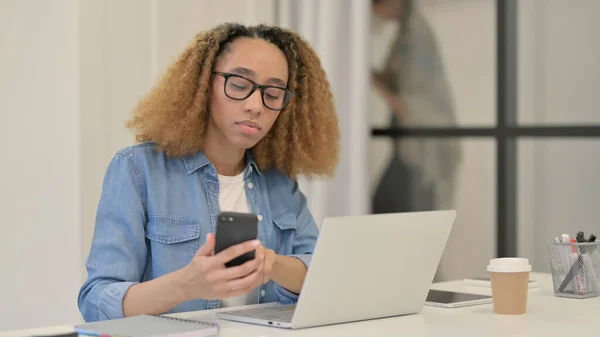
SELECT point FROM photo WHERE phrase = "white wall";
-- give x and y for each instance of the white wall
(558, 84)
(71, 73)
(559, 55)
(466, 33)
(41, 163)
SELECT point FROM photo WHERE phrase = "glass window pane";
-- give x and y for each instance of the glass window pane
(433, 63)
(558, 57)
(558, 192)
(429, 174)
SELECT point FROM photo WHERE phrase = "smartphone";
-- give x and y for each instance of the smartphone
(234, 228)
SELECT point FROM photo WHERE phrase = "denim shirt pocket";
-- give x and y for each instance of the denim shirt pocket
(285, 229)
(173, 241)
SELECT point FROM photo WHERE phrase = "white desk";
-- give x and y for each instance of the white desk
(547, 316)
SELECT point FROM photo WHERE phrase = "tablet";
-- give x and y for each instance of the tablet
(453, 299)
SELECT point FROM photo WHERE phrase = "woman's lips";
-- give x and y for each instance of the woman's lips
(249, 127)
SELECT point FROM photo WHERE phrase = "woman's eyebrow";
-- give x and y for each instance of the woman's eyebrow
(277, 81)
(250, 72)
(243, 71)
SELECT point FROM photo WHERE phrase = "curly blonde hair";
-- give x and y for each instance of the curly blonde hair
(304, 140)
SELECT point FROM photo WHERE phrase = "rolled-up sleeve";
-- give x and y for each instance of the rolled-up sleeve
(304, 240)
(118, 253)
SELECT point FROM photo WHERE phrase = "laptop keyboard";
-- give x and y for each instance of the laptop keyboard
(280, 314)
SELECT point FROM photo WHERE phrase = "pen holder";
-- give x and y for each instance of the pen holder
(575, 269)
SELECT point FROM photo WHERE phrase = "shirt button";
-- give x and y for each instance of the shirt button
(259, 217)
(262, 293)
(250, 185)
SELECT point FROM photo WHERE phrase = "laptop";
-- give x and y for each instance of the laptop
(363, 267)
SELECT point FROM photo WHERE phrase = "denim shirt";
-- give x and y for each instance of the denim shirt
(155, 212)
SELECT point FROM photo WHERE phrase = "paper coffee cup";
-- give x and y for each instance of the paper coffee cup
(510, 284)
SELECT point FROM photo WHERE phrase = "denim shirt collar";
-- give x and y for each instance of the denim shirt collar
(198, 160)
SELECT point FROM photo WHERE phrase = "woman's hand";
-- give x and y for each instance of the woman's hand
(287, 271)
(268, 263)
(206, 276)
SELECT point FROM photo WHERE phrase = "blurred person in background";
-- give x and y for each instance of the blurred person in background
(411, 79)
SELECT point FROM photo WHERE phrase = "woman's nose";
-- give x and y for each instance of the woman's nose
(254, 102)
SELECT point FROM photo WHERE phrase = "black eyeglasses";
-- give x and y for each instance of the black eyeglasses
(239, 88)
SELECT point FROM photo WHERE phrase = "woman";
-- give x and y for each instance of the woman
(238, 116)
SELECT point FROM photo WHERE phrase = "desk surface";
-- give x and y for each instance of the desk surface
(547, 316)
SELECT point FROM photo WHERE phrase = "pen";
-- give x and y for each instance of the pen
(571, 273)
(593, 280)
(578, 264)
(581, 271)
(565, 254)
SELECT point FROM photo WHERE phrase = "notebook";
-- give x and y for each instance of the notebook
(148, 326)
(485, 281)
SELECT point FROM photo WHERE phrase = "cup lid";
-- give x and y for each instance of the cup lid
(509, 265)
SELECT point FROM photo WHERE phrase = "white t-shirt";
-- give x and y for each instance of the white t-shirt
(232, 198)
